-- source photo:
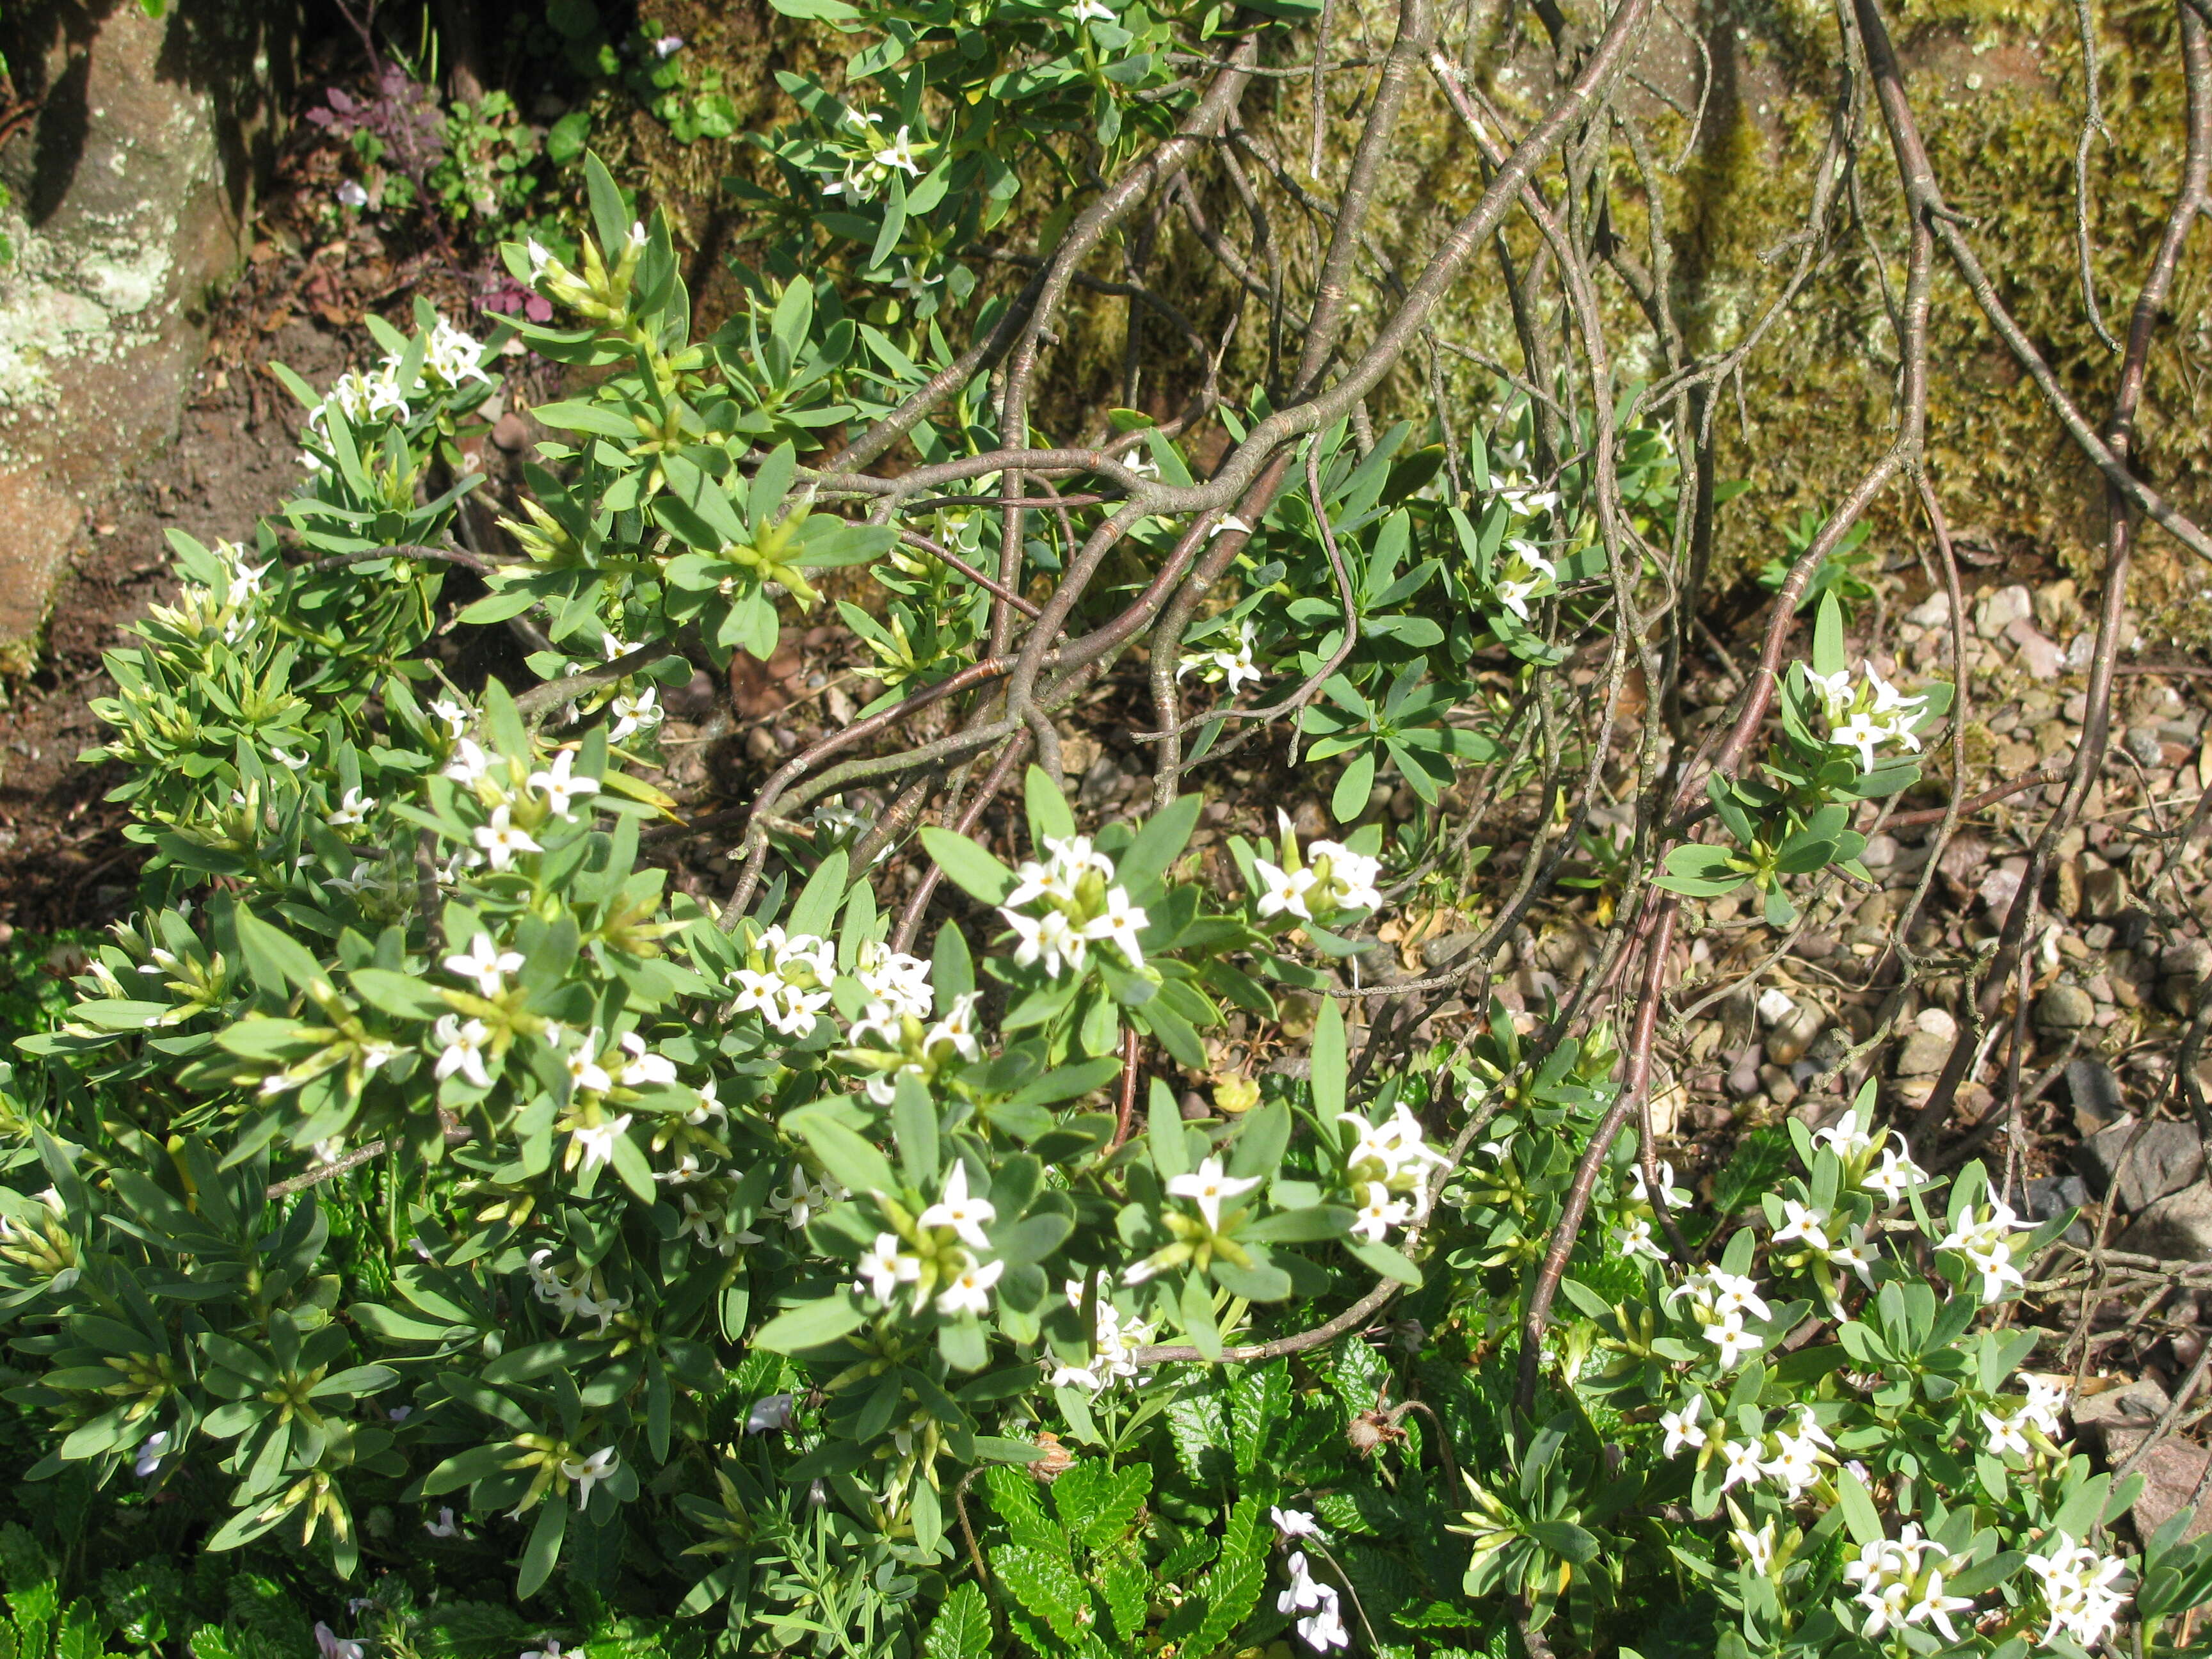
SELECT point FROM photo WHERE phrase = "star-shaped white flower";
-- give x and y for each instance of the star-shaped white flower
(560, 785)
(1681, 1426)
(588, 1471)
(966, 1216)
(1119, 922)
(485, 963)
(597, 1141)
(1284, 891)
(970, 1289)
(1208, 1187)
(463, 1049)
(502, 840)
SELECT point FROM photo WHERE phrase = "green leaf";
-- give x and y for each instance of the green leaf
(1354, 788)
(1328, 1063)
(1164, 1135)
(1159, 845)
(1048, 812)
(914, 1118)
(961, 1629)
(1565, 1540)
(973, 870)
(543, 1549)
(812, 1325)
(843, 1151)
(610, 218)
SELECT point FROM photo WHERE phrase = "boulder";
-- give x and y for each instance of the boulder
(2064, 1007)
(2138, 1163)
(133, 192)
(2175, 1228)
(2096, 1094)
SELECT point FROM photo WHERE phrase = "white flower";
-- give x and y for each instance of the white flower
(454, 356)
(1229, 521)
(970, 1289)
(445, 1526)
(1996, 1267)
(1050, 938)
(462, 1049)
(1682, 1426)
(710, 1106)
(1303, 1591)
(583, 1065)
(636, 713)
(351, 194)
(899, 153)
(1845, 1138)
(1935, 1608)
(326, 1639)
(597, 1141)
(551, 1650)
(485, 963)
(1323, 1628)
(645, 1067)
(1803, 1221)
(469, 765)
(151, 1450)
(1294, 1524)
(2076, 1586)
(1353, 875)
(455, 717)
(1284, 891)
(1742, 1460)
(559, 786)
(2004, 1435)
(772, 1412)
(2045, 1396)
(295, 762)
(956, 1210)
(1379, 1214)
(352, 810)
(588, 1471)
(1728, 1336)
(1835, 692)
(1642, 1193)
(895, 979)
(1637, 1238)
(1897, 1175)
(884, 1267)
(1090, 11)
(1795, 1466)
(501, 839)
(539, 259)
(1119, 922)
(1208, 1187)
(1756, 1548)
(1858, 1256)
(1861, 733)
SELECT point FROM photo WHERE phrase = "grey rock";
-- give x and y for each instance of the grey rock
(2142, 742)
(2182, 972)
(1743, 1076)
(2056, 1194)
(2064, 1008)
(1442, 952)
(1793, 1034)
(2105, 893)
(1924, 1053)
(2138, 1163)
(1934, 611)
(2177, 1228)
(2039, 656)
(2001, 885)
(2173, 1474)
(2096, 1092)
(1100, 784)
(2000, 610)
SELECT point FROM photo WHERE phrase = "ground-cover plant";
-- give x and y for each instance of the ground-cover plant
(421, 1189)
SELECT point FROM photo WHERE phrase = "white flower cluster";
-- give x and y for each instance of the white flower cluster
(787, 979)
(1389, 1166)
(573, 1300)
(1869, 715)
(1059, 908)
(1113, 1346)
(1634, 1235)
(1718, 1302)
(1320, 1619)
(1330, 878)
(1527, 575)
(906, 1046)
(2076, 1583)
(1813, 1227)
(1984, 1236)
(451, 358)
(1236, 666)
(871, 157)
(957, 1215)
(1894, 1179)
(228, 608)
(2039, 1411)
(1900, 1583)
(1789, 1457)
